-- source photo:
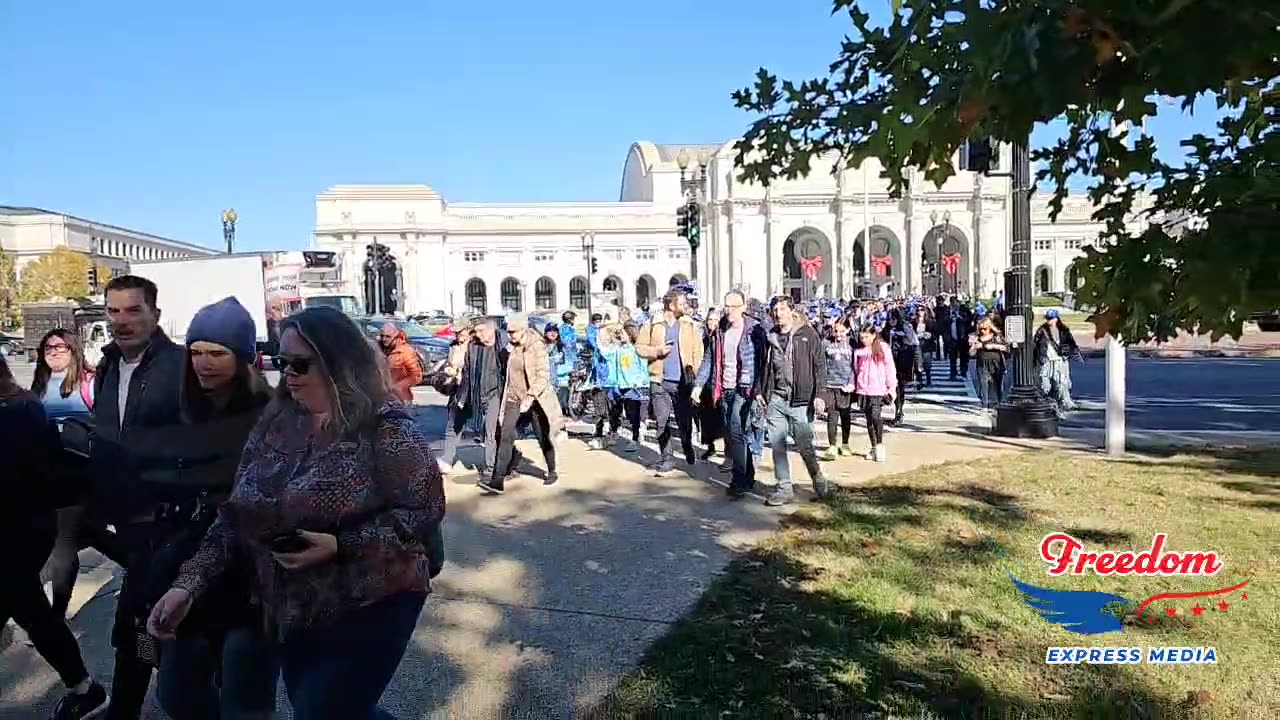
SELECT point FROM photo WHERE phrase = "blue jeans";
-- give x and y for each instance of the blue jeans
(784, 420)
(734, 412)
(247, 668)
(339, 671)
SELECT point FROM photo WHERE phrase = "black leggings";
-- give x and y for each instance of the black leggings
(510, 429)
(872, 407)
(839, 414)
(63, 565)
(629, 408)
(22, 598)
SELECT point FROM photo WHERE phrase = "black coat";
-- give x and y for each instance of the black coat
(28, 443)
(1066, 344)
(808, 368)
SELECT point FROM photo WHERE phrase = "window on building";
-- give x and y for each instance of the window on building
(544, 256)
(544, 293)
(615, 254)
(647, 254)
(578, 293)
(677, 253)
(473, 256)
(1043, 244)
(477, 296)
(1072, 243)
(510, 292)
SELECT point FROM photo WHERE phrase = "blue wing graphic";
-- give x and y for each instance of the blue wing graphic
(1078, 611)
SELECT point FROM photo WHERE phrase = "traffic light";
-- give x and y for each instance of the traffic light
(693, 231)
(682, 221)
(594, 267)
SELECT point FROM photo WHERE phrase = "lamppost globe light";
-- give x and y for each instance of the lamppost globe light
(704, 158)
(682, 159)
(229, 216)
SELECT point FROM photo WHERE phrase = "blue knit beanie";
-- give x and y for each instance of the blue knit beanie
(228, 324)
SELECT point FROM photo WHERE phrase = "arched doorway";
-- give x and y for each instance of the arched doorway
(544, 293)
(1071, 279)
(677, 279)
(509, 292)
(806, 264)
(477, 296)
(1043, 280)
(381, 281)
(613, 284)
(645, 287)
(886, 261)
(944, 261)
(578, 293)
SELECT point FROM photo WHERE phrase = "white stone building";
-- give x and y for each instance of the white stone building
(488, 256)
(27, 233)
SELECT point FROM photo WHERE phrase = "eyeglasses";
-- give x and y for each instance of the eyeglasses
(299, 365)
(56, 349)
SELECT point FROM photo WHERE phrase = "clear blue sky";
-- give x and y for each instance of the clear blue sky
(156, 115)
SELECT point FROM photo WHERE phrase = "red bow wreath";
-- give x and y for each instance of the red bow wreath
(811, 266)
(882, 265)
(951, 263)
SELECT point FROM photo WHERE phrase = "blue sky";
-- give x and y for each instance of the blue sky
(155, 115)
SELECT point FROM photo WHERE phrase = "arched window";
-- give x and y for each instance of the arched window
(677, 279)
(578, 293)
(510, 292)
(1042, 284)
(477, 297)
(544, 293)
(644, 291)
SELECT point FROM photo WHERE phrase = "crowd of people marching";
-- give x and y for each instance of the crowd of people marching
(289, 534)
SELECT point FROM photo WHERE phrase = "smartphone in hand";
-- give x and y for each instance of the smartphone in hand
(287, 543)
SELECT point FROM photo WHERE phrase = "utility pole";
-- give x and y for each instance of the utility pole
(1025, 413)
(229, 218)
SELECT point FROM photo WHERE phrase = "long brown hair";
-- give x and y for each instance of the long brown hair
(75, 371)
(249, 391)
(877, 345)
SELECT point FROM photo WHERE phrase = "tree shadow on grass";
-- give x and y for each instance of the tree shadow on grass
(1262, 462)
(767, 644)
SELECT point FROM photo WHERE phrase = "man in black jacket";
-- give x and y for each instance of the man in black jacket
(795, 373)
(137, 392)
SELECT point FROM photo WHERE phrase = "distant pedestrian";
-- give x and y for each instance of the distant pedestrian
(838, 393)
(991, 354)
(1055, 347)
(402, 361)
(526, 396)
(795, 370)
(876, 382)
(672, 343)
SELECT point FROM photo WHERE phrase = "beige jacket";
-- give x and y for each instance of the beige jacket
(537, 372)
(653, 338)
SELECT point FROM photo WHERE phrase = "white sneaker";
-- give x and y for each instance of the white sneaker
(596, 443)
(871, 454)
(882, 454)
(562, 436)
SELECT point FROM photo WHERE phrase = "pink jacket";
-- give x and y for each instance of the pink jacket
(872, 378)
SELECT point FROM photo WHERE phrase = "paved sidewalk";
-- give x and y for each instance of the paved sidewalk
(550, 594)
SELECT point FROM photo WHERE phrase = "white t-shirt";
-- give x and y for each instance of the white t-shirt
(126, 375)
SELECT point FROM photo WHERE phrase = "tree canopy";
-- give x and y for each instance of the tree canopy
(939, 72)
(9, 307)
(61, 275)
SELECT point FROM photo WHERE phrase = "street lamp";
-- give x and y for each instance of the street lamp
(1026, 413)
(588, 254)
(229, 218)
(689, 214)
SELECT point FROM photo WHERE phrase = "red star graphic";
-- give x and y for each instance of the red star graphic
(1171, 611)
(1223, 605)
(1197, 610)
(1244, 596)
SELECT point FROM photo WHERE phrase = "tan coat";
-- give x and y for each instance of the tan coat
(653, 338)
(537, 372)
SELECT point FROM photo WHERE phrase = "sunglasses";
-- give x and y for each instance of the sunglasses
(299, 366)
(57, 348)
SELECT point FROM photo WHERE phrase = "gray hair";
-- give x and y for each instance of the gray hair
(356, 380)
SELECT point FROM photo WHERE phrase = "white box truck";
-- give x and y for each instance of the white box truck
(189, 284)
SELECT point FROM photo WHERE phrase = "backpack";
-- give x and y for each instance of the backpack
(86, 389)
(433, 540)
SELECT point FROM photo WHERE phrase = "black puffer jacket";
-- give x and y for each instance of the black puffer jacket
(1065, 346)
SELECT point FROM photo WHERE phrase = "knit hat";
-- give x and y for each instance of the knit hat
(228, 324)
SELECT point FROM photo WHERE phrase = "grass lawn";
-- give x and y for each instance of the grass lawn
(894, 599)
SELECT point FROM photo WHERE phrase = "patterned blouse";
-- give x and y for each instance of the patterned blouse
(377, 494)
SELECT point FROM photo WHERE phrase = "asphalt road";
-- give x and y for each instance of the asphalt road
(1208, 396)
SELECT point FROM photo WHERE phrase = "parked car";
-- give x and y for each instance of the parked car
(431, 350)
(1267, 321)
(11, 345)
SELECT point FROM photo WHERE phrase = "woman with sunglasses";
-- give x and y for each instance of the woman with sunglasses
(334, 500)
(64, 383)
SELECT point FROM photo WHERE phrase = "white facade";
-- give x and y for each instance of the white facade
(530, 256)
(29, 233)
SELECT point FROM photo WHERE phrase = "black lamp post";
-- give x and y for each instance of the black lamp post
(1025, 413)
(229, 218)
(689, 215)
(589, 254)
